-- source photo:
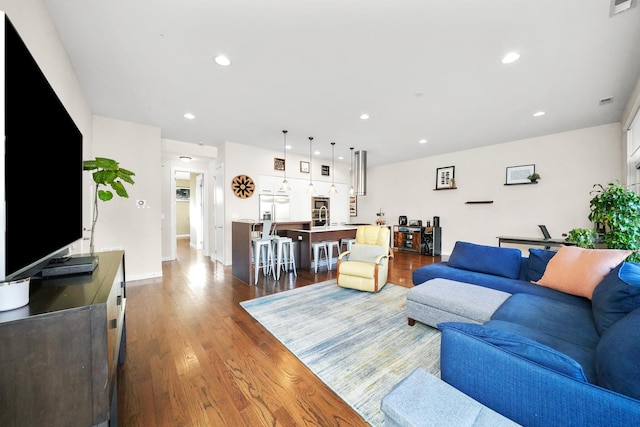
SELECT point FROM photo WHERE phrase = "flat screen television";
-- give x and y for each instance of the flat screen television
(41, 175)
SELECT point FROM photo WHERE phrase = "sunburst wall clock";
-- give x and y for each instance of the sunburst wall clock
(243, 186)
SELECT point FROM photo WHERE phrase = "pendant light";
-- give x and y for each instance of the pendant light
(333, 188)
(310, 187)
(285, 183)
(352, 190)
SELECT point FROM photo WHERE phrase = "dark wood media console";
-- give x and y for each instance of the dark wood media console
(59, 354)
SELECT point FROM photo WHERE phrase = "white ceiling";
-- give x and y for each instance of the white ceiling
(313, 66)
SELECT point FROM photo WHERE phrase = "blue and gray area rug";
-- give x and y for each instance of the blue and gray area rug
(357, 343)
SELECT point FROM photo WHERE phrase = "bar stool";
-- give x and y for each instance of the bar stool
(284, 258)
(317, 248)
(263, 251)
(346, 242)
(331, 244)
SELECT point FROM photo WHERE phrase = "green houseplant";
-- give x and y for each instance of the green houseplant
(534, 177)
(582, 237)
(616, 212)
(107, 175)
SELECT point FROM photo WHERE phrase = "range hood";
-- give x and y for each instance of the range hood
(359, 176)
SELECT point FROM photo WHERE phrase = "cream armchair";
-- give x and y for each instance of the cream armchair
(366, 265)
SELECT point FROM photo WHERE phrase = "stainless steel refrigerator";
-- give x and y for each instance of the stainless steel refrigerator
(274, 207)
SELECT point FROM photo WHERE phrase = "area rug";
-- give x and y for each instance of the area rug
(357, 343)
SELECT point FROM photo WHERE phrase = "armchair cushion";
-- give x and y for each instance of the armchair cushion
(366, 253)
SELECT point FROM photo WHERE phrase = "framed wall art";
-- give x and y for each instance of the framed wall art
(445, 177)
(278, 164)
(353, 205)
(325, 170)
(519, 174)
(304, 167)
(183, 194)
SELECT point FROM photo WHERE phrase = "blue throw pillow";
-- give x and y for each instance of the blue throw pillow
(538, 260)
(616, 295)
(523, 347)
(494, 260)
(617, 356)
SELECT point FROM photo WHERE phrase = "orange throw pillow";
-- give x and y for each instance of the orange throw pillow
(578, 271)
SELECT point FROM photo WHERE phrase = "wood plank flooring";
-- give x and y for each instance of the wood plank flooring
(196, 358)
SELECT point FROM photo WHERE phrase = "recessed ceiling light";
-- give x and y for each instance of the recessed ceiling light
(418, 94)
(189, 116)
(316, 153)
(222, 60)
(539, 113)
(288, 147)
(510, 57)
(364, 116)
(340, 158)
(423, 141)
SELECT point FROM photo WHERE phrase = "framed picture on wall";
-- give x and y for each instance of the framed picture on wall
(444, 177)
(325, 170)
(304, 167)
(278, 164)
(183, 194)
(353, 205)
(519, 174)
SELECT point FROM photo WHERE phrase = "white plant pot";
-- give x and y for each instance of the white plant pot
(14, 294)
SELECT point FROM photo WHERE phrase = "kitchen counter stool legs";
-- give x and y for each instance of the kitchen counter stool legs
(263, 257)
(317, 248)
(330, 245)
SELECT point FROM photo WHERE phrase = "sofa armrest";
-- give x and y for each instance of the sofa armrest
(526, 392)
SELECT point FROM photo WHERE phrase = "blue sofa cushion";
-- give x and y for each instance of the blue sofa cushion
(521, 346)
(616, 295)
(617, 356)
(538, 260)
(494, 260)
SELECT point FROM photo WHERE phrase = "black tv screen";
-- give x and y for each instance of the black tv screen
(42, 180)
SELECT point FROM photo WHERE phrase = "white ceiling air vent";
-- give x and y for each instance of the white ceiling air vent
(607, 100)
(618, 6)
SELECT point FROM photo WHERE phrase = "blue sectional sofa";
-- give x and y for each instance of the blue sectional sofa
(546, 357)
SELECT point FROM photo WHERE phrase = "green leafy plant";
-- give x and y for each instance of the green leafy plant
(616, 211)
(107, 175)
(582, 237)
(534, 177)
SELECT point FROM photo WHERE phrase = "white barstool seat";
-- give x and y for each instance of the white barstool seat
(317, 248)
(346, 242)
(283, 251)
(331, 244)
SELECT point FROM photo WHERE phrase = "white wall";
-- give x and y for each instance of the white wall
(570, 164)
(122, 224)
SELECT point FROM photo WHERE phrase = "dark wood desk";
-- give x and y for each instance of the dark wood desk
(534, 241)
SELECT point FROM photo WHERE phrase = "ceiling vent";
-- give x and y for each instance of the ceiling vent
(607, 100)
(618, 6)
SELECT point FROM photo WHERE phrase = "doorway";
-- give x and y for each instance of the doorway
(189, 209)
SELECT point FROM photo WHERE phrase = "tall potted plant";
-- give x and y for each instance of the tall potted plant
(616, 211)
(107, 174)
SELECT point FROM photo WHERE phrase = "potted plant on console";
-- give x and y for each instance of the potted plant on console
(616, 213)
(107, 174)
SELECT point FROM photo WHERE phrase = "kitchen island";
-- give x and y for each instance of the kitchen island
(305, 237)
(241, 233)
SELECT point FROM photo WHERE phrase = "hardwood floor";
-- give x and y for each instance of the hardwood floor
(196, 358)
